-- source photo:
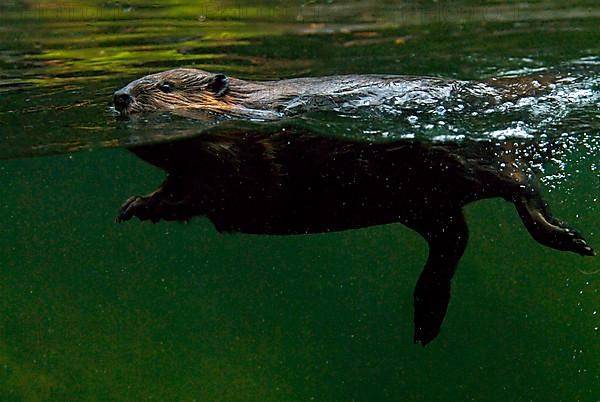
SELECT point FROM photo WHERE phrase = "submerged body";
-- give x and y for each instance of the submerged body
(294, 182)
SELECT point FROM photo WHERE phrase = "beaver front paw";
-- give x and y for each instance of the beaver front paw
(144, 207)
(157, 206)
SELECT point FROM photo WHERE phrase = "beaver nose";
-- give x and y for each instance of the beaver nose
(122, 100)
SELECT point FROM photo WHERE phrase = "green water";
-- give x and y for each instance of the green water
(93, 310)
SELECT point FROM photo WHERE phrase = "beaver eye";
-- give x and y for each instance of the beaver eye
(166, 86)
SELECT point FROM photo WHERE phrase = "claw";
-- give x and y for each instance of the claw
(581, 247)
(128, 209)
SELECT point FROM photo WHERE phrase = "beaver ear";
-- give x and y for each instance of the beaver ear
(219, 84)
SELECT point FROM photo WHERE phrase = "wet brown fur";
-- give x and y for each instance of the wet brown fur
(295, 182)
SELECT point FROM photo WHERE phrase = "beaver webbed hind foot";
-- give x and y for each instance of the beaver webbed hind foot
(547, 230)
(447, 237)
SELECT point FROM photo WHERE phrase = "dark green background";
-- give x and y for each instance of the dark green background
(92, 310)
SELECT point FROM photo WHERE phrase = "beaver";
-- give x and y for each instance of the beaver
(296, 182)
(184, 90)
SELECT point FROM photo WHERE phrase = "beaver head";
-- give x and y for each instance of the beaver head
(181, 88)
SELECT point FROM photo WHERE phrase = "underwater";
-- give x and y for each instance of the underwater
(268, 201)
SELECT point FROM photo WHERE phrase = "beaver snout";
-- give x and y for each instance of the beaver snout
(122, 100)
